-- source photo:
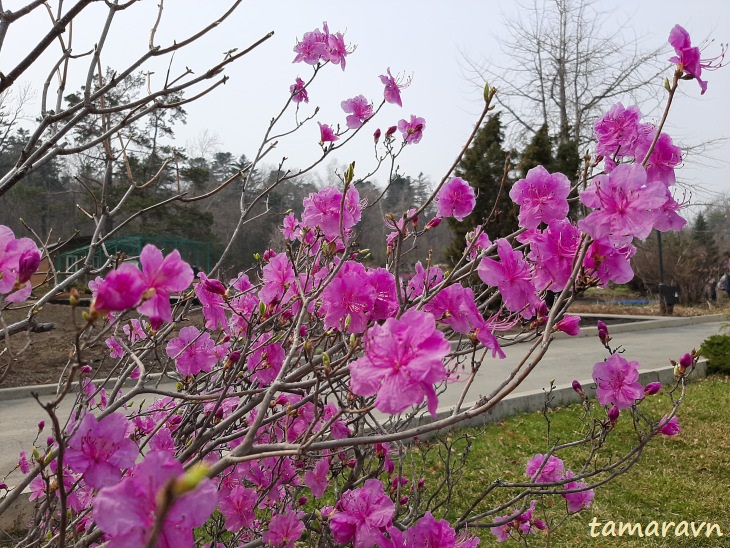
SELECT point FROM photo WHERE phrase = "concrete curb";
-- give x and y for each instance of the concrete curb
(646, 322)
(20, 392)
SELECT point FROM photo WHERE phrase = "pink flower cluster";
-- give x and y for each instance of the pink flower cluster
(317, 46)
(19, 260)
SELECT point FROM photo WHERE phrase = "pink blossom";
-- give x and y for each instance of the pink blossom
(23, 463)
(455, 199)
(348, 297)
(664, 158)
(361, 515)
(553, 252)
(652, 388)
(542, 197)
(317, 478)
(412, 130)
(403, 360)
(162, 277)
(278, 276)
(298, 91)
(265, 362)
(391, 93)
(552, 470)
(135, 331)
(121, 289)
(687, 57)
(570, 325)
(624, 205)
(359, 111)
(290, 226)
(524, 524)
(512, 277)
(214, 305)
(386, 299)
(192, 351)
(617, 131)
(579, 500)
(238, 507)
(667, 216)
(617, 381)
(322, 210)
(115, 349)
(19, 260)
(669, 427)
(284, 530)
(326, 134)
(429, 532)
(312, 48)
(609, 262)
(100, 449)
(480, 240)
(126, 512)
(454, 306)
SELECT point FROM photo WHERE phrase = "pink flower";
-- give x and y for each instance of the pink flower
(126, 512)
(265, 362)
(541, 196)
(551, 472)
(19, 260)
(624, 205)
(669, 427)
(687, 57)
(239, 508)
(391, 93)
(412, 130)
(524, 524)
(162, 277)
(580, 500)
(326, 134)
(23, 463)
(135, 331)
(429, 532)
(425, 279)
(192, 351)
(322, 210)
(386, 300)
(569, 325)
(359, 111)
(455, 199)
(403, 360)
(455, 307)
(617, 381)
(652, 388)
(214, 305)
(317, 479)
(284, 530)
(115, 349)
(298, 91)
(361, 515)
(553, 252)
(278, 276)
(664, 158)
(617, 131)
(101, 449)
(289, 227)
(348, 296)
(512, 277)
(479, 238)
(609, 262)
(312, 48)
(120, 290)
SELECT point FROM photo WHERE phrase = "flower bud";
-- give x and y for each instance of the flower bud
(403, 500)
(652, 388)
(85, 370)
(41, 425)
(613, 414)
(686, 360)
(269, 254)
(74, 297)
(603, 332)
(3, 486)
(391, 130)
(214, 286)
(421, 483)
(376, 136)
(579, 389)
(302, 501)
(433, 223)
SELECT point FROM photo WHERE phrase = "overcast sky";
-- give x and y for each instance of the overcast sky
(425, 39)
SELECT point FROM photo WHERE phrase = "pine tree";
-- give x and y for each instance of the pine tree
(538, 153)
(482, 167)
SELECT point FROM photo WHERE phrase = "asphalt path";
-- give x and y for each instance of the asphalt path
(566, 360)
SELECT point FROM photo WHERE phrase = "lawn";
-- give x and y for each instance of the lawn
(680, 478)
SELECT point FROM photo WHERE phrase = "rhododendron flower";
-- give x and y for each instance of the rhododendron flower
(524, 524)
(610, 263)
(319, 46)
(624, 205)
(100, 449)
(512, 277)
(391, 93)
(386, 299)
(579, 500)
(664, 158)
(542, 196)
(480, 240)
(289, 227)
(135, 331)
(652, 388)
(298, 91)
(115, 349)
(326, 134)
(553, 252)
(455, 199)
(120, 290)
(403, 360)
(162, 277)
(551, 472)
(570, 325)
(454, 306)
(348, 295)
(669, 427)
(412, 129)
(284, 530)
(192, 351)
(317, 479)
(359, 111)
(617, 381)
(214, 305)
(266, 361)
(238, 507)
(617, 131)
(23, 463)
(667, 216)
(424, 279)
(127, 511)
(19, 260)
(687, 57)
(361, 515)
(278, 276)
(429, 532)
(322, 210)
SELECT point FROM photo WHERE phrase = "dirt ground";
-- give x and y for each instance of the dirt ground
(45, 355)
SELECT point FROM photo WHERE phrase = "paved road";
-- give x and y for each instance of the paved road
(566, 360)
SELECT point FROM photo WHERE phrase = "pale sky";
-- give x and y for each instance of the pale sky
(423, 39)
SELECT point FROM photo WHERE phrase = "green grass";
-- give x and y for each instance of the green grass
(685, 477)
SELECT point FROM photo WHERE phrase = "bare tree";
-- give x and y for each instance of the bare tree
(564, 66)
